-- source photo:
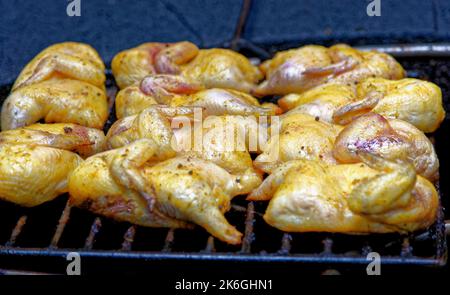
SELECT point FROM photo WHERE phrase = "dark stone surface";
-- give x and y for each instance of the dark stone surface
(26, 27)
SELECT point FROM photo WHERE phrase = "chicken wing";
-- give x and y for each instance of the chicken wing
(124, 185)
(390, 139)
(212, 68)
(297, 70)
(414, 101)
(61, 100)
(379, 196)
(93, 140)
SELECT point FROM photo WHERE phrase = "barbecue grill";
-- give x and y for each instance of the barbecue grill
(39, 239)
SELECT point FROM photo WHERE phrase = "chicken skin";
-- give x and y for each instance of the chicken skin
(321, 101)
(92, 140)
(414, 101)
(209, 141)
(55, 101)
(297, 70)
(178, 91)
(212, 68)
(300, 137)
(67, 60)
(141, 184)
(35, 164)
(378, 196)
(390, 139)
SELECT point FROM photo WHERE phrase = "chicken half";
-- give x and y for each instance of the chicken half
(64, 84)
(67, 60)
(35, 163)
(379, 196)
(141, 184)
(178, 91)
(223, 140)
(415, 101)
(212, 68)
(297, 70)
(391, 139)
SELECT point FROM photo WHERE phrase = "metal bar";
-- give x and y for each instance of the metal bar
(169, 240)
(61, 225)
(210, 247)
(412, 50)
(128, 238)
(285, 244)
(246, 5)
(95, 228)
(249, 235)
(16, 231)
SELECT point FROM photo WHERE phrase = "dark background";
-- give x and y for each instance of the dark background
(27, 26)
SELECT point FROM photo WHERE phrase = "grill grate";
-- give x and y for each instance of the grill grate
(45, 232)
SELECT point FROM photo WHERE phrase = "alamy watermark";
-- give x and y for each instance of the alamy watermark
(73, 8)
(374, 8)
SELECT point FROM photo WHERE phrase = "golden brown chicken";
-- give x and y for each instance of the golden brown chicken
(379, 196)
(300, 137)
(297, 70)
(391, 139)
(212, 68)
(414, 101)
(61, 100)
(128, 184)
(223, 140)
(35, 164)
(63, 83)
(178, 91)
(93, 140)
(67, 60)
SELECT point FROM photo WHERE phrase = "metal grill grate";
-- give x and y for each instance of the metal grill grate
(44, 232)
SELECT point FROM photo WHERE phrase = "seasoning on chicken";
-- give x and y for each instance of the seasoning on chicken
(212, 68)
(378, 196)
(297, 70)
(415, 101)
(123, 184)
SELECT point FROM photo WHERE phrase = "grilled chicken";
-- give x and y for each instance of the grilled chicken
(67, 60)
(64, 84)
(414, 101)
(223, 140)
(213, 68)
(35, 163)
(62, 100)
(378, 196)
(93, 140)
(125, 184)
(297, 70)
(300, 137)
(391, 139)
(178, 91)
